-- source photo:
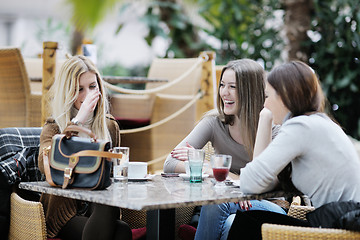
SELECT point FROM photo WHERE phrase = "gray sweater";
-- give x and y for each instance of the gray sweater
(210, 128)
(325, 165)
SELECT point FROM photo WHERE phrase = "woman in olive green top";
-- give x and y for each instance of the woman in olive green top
(78, 97)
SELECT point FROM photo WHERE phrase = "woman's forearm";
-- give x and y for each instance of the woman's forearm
(263, 135)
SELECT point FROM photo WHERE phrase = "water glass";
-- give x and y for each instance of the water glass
(196, 159)
(120, 165)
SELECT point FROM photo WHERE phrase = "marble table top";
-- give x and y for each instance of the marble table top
(157, 193)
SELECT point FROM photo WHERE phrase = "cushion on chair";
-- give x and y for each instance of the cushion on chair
(139, 233)
(132, 123)
(186, 232)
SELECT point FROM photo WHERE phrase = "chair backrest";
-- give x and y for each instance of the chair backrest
(34, 67)
(15, 89)
(173, 68)
(157, 142)
(165, 137)
(27, 219)
(140, 107)
(279, 232)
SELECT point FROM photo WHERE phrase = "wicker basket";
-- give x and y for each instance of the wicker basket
(280, 232)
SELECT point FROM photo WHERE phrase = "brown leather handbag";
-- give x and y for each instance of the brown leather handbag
(78, 162)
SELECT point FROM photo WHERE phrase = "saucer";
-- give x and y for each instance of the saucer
(147, 177)
(187, 177)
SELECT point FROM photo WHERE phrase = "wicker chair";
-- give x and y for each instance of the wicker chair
(27, 220)
(275, 231)
(19, 106)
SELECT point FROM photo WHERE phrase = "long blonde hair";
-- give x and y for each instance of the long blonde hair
(250, 84)
(65, 91)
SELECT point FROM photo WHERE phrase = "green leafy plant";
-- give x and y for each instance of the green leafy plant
(168, 20)
(246, 29)
(335, 55)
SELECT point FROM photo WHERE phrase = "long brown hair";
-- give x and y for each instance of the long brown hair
(299, 88)
(250, 83)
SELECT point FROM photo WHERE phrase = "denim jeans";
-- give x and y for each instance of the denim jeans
(216, 220)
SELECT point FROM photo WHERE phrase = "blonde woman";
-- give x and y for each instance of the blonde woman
(232, 127)
(79, 97)
(231, 130)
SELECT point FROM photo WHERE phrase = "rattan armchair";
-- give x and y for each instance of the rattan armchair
(274, 232)
(27, 220)
(280, 232)
(19, 107)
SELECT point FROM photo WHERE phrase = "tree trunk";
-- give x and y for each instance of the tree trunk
(77, 40)
(297, 23)
(178, 35)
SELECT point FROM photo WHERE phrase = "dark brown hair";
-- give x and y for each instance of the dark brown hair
(300, 90)
(298, 87)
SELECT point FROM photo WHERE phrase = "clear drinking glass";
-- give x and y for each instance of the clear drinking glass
(196, 159)
(120, 165)
(220, 164)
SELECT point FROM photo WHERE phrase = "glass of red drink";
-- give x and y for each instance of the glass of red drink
(220, 164)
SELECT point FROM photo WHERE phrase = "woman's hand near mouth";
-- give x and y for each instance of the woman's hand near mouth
(88, 106)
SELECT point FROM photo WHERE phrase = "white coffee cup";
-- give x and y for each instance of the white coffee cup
(137, 170)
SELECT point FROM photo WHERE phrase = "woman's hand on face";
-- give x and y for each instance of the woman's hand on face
(88, 106)
(245, 205)
(181, 153)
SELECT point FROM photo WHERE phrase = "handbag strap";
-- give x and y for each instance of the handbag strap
(94, 153)
(75, 128)
(47, 170)
(74, 159)
(89, 153)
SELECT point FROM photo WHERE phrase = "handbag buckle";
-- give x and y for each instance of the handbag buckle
(46, 150)
(68, 172)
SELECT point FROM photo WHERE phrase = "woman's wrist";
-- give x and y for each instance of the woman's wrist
(266, 116)
(76, 121)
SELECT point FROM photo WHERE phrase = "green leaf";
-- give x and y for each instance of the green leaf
(88, 15)
(118, 29)
(344, 82)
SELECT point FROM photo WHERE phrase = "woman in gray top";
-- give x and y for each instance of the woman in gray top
(231, 130)
(322, 160)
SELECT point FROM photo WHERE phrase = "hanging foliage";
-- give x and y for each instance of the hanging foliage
(87, 14)
(246, 29)
(335, 55)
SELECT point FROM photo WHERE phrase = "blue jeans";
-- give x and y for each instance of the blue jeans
(215, 220)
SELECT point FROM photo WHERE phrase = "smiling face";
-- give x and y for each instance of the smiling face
(228, 92)
(87, 83)
(274, 103)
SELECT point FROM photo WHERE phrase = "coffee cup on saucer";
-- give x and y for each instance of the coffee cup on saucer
(137, 170)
